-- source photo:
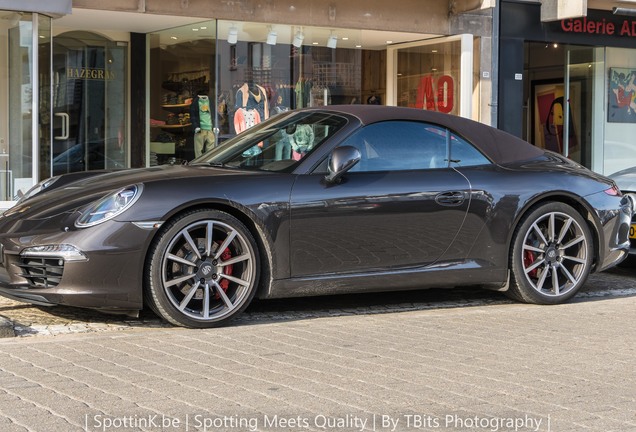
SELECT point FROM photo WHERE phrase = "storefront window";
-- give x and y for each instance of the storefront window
(267, 69)
(182, 76)
(204, 90)
(620, 121)
(428, 76)
(20, 131)
(596, 125)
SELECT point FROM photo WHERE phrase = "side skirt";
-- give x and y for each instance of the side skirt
(441, 275)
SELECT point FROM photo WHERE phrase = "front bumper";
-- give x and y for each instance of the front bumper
(109, 279)
(632, 229)
(613, 228)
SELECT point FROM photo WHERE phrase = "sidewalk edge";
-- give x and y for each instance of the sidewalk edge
(6, 327)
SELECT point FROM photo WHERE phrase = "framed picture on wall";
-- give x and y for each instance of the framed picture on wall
(621, 99)
(548, 98)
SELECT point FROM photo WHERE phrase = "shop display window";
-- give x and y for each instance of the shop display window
(428, 76)
(182, 72)
(268, 69)
(212, 80)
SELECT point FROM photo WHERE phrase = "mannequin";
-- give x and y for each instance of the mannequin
(251, 106)
(201, 119)
(302, 141)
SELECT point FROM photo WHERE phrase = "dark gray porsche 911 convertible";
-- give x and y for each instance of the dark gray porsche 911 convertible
(318, 201)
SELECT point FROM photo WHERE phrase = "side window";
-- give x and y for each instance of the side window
(399, 146)
(463, 154)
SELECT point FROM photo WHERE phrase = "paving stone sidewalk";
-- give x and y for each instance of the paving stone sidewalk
(22, 319)
(484, 366)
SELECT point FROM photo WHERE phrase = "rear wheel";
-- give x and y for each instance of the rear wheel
(203, 269)
(551, 255)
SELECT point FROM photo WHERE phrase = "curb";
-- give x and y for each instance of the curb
(6, 328)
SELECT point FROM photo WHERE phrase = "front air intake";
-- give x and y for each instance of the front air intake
(42, 272)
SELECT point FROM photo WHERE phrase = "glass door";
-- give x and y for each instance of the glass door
(89, 108)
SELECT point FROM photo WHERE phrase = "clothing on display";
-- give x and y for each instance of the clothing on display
(201, 119)
(245, 119)
(303, 92)
(302, 141)
(252, 106)
(200, 115)
(203, 141)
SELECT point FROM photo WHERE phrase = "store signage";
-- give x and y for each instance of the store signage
(90, 74)
(436, 96)
(600, 27)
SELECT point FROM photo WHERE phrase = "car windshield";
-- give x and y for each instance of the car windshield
(277, 144)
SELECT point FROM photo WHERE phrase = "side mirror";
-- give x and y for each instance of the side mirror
(341, 160)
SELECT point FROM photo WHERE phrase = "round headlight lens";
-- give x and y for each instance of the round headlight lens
(108, 207)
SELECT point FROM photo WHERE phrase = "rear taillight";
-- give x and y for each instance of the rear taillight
(614, 191)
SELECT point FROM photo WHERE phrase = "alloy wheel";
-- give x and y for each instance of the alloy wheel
(555, 254)
(208, 270)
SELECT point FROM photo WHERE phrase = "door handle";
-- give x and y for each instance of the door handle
(65, 128)
(451, 198)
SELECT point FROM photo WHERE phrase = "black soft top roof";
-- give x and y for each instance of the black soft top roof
(501, 147)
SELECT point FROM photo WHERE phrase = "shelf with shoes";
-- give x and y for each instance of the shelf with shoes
(171, 131)
(174, 126)
(169, 142)
(177, 107)
(178, 113)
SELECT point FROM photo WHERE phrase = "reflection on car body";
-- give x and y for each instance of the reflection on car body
(83, 157)
(367, 198)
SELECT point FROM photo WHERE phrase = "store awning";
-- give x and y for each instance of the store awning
(49, 7)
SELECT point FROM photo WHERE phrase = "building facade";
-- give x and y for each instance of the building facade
(132, 83)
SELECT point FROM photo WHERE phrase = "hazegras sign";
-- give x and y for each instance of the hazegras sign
(90, 74)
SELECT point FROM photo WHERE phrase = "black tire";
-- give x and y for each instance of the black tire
(202, 270)
(551, 255)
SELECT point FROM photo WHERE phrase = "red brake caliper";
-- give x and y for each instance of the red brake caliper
(224, 284)
(528, 260)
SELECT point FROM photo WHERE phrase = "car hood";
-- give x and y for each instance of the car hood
(90, 187)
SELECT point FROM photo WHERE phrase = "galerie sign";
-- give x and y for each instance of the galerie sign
(601, 27)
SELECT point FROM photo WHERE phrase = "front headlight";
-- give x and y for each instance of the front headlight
(110, 206)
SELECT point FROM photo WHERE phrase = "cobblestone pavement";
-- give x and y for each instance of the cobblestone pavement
(29, 320)
(447, 361)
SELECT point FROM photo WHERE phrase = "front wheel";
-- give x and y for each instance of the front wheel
(202, 270)
(551, 255)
